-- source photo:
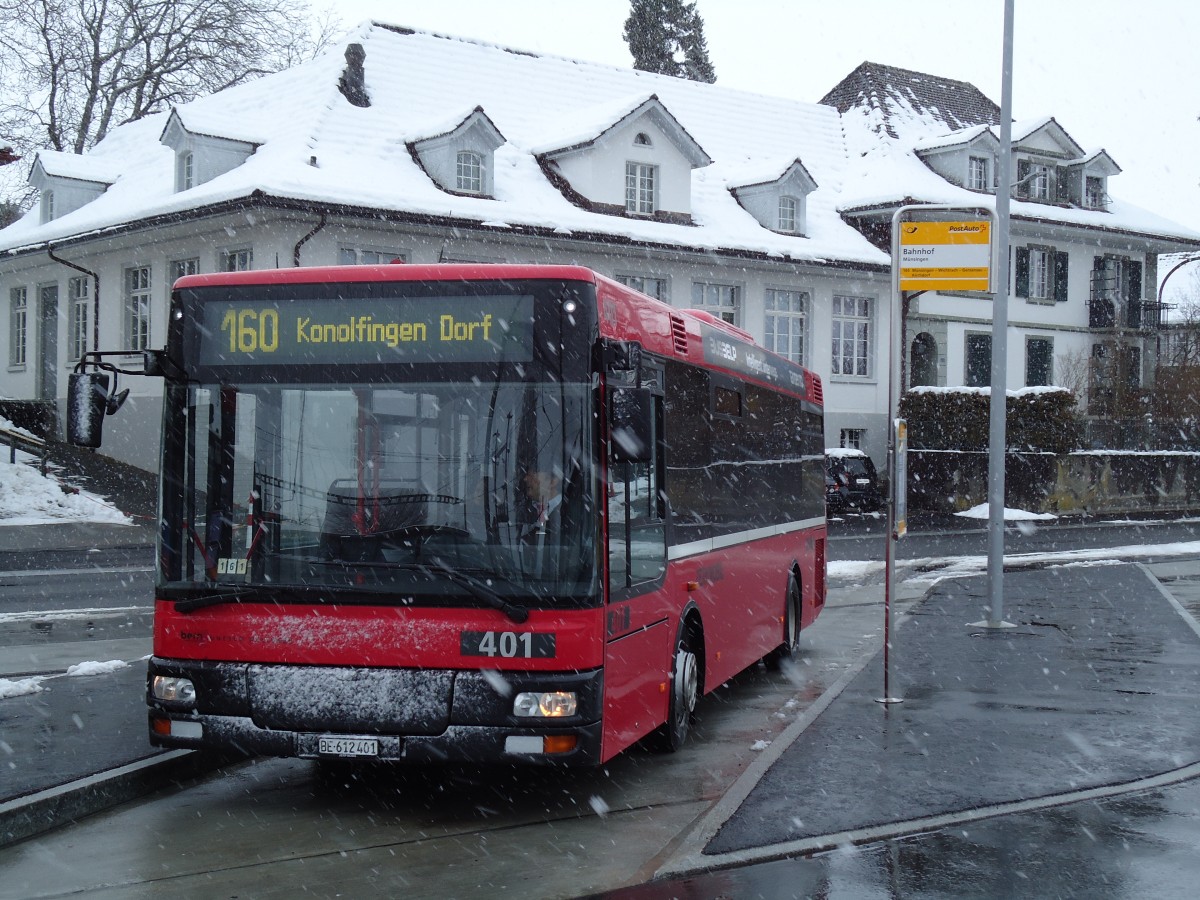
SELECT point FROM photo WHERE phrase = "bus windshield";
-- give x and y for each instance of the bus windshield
(382, 490)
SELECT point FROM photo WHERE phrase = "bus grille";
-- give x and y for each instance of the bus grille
(679, 335)
(345, 700)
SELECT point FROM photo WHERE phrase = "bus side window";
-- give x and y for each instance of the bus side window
(637, 539)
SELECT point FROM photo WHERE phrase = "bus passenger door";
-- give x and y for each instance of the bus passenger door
(638, 625)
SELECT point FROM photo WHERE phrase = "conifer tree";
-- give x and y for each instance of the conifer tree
(667, 37)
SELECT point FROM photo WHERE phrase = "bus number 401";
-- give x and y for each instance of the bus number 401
(508, 644)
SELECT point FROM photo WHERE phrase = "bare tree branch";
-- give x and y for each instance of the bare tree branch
(72, 70)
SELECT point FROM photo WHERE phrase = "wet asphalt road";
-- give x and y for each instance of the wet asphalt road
(1132, 847)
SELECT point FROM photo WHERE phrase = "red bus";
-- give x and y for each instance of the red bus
(467, 512)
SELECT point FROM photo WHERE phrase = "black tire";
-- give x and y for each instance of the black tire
(686, 681)
(791, 626)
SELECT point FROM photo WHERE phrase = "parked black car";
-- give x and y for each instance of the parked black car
(851, 482)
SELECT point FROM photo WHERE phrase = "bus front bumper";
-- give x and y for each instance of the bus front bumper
(414, 716)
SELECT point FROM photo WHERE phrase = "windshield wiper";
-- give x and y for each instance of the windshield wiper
(514, 611)
(232, 595)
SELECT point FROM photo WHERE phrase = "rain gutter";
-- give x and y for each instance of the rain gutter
(304, 240)
(95, 292)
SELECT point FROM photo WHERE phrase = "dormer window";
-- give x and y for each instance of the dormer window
(201, 156)
(787, 213)
(1039, 181)
(47, 206)
(639, 188)
(979, 176)
(1095, 197)
(778, 199)
(659, 156)
(1035, 180)
(186, 179)
(469, 172)
(461, 160)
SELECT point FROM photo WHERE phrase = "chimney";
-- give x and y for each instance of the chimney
(353, 83)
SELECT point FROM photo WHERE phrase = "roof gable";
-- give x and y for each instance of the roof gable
(639, 113)
(1045, 135)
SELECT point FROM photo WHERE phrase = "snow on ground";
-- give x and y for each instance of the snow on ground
(10, 688)
(29, 498)
(983, 511)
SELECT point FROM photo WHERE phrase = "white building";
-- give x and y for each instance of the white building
(769, 212)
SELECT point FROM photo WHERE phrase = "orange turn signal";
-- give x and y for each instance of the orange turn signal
(559, 743)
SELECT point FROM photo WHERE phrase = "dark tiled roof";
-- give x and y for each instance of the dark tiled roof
(958, 104)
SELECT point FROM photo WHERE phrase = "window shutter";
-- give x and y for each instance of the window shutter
(1022, 277)
(1059, 174)
(1061, 260)
(1135, 282)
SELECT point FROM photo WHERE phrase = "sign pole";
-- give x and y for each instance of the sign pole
(998, 412)
(934, 253)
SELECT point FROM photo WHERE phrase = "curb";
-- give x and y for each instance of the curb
(43, 811)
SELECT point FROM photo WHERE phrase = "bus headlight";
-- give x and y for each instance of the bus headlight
(173, 690)
(548, 704)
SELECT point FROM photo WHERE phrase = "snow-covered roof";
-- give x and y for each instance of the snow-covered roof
(313, 147)
(413, 80)
(887, 130)
(59, 164)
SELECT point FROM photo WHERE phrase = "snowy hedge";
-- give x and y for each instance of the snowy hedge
(1040, 420)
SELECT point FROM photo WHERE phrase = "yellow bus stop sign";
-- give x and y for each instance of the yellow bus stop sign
(945, 256)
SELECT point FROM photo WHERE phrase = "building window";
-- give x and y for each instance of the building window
(642, 140)
(852, 336)
(18, 325)
(469, 172)
(360, 256)
(187, 171)
(137, 308)
(722, 300)
(1039, 361)
(1094, 195)
(48, 211)
(853, 438)
(1041, 274)
(654, 287)
(978, 176)
(1034, 180)
(79, 296)
(787, 213)
(181, 267)
(785, 323)
(237, 260)
(639, 188)
(979, 360)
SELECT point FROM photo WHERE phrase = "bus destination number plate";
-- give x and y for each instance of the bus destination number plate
(345, 746)
(508, 644)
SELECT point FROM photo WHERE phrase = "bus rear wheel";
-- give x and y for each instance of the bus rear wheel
(791, 625)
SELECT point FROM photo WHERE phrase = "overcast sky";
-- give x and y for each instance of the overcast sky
(1117, 74)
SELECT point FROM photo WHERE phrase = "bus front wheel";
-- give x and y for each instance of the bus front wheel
(685, 691)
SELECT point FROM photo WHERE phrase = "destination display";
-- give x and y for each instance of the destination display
(721, 349)
(304, 331)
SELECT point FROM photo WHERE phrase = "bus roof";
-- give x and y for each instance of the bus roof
(391, 272)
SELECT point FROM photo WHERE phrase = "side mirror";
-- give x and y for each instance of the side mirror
(87, 404)
(631, 424)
